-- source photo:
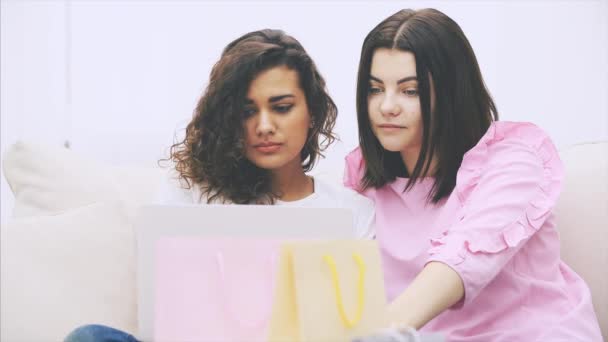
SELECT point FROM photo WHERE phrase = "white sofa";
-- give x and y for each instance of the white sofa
(67, 254)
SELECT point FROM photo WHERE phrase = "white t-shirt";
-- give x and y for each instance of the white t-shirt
(326, 194)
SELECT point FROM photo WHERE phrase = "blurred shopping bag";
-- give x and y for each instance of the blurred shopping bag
(328, 291)
(210, 289)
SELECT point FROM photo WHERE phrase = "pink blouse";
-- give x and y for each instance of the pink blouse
(497, 231)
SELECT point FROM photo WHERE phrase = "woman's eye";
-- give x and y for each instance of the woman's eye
(411, 92)
(249, 112)
(283, 108)
(374, 90)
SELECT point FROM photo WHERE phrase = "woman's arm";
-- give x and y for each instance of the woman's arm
(507, 185)
(436, 288)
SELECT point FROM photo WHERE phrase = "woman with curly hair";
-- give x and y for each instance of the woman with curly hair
(256, 128)
(260, 125)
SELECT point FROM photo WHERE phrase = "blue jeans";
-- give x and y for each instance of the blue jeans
(98, 333)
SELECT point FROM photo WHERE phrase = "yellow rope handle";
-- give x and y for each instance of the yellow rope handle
(329, 260)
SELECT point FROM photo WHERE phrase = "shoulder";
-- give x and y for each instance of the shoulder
(504, 137)
(354, 169)
(509, 142)
(333, 194)
(338, 193)
(508, 151)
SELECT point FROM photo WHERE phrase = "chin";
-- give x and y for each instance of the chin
(269, 162)
(393, 146)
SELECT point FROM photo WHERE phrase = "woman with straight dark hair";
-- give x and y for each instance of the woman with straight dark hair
(260, 125)
(464, 203)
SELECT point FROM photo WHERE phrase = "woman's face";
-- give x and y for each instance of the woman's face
(393, 101)
(276, 119)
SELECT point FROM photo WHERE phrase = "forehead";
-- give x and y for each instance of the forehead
(275, 81)
(391, 65)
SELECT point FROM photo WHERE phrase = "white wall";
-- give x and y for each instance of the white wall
(32, 78)
(117, 78)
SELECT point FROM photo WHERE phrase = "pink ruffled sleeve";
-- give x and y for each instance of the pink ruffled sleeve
(354, 169)
(508, 185)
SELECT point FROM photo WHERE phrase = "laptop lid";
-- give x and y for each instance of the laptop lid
(240, 221)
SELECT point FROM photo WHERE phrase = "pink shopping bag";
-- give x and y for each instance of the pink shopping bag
(213, 289)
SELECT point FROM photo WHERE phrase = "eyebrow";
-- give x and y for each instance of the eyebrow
(273, 98)
(280, 97)
(405, 79)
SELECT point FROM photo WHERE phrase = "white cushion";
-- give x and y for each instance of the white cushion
(59, 272)
(582, 220)
(49, 180)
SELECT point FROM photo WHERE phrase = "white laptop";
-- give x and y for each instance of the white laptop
(242, 221)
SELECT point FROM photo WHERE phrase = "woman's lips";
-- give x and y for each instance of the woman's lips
(268, 147)
(390, 127)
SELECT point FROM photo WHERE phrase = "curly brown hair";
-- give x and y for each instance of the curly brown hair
(212, 154)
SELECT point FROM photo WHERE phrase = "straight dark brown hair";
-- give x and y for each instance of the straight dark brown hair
(463, 108)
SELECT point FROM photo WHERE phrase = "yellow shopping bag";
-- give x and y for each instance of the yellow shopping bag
(328, 291)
